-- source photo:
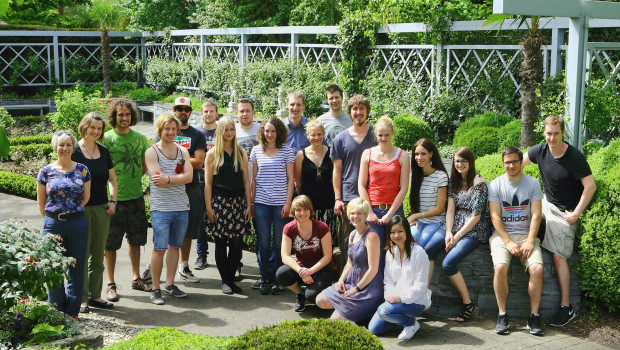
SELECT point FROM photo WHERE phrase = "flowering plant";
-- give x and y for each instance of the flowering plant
(30, 262)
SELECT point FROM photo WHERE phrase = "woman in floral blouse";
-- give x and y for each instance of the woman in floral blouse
(63, 189)
(467, 221)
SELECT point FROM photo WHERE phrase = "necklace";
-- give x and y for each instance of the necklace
(92, 155)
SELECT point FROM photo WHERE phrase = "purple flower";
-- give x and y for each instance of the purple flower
(19, 315)
(18, 324)
(16, 340)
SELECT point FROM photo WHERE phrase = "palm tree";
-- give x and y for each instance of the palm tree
(531, 72)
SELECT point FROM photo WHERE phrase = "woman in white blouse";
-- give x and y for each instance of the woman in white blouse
(405, 282)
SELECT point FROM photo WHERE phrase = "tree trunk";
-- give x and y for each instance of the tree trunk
(531, 86)
(105, 61)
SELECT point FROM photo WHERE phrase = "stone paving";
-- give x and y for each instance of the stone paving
(207, 311)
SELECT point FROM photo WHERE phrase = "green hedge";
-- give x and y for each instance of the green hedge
(482, 140)
(308, 334)
(409, 129)
(170, 339)
(26, 140)
(491, 119)
(599, 265)
(510, 134)
(491, 166)
(33, 150)
(19, 185)
(30, 119)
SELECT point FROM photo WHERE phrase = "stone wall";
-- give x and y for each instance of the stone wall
(477, 270)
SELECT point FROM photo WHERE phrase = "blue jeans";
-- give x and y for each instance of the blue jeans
(169, 228)
(381, 230)
(202, 245)
(268, 220)
(430, 236)
(460, 250)
(398, 313)
(74, 234)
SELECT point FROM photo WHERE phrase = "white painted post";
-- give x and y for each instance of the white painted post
(557, 40)
(56, 59)
(243, 47)
(203, 49)
(293, 48)
(575, 77)
(436, 70)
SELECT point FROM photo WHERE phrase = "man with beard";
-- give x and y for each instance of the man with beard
(346, 154)
(127, 148)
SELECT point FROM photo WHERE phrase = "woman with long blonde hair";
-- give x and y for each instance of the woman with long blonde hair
(227, 196)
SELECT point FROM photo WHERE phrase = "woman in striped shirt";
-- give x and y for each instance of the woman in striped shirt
(272, 192)
(429, 191)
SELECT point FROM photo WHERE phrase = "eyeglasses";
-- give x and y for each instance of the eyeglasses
(512, 162)
(461, 161)
(183, 109)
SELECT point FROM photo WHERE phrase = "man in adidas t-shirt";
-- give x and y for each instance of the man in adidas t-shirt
(515, 203)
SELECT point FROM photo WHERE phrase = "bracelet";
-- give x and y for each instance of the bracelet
(338, 199)
(112, 201)
(358, 288)
(458, 234)
(422, 215)
(168, 178)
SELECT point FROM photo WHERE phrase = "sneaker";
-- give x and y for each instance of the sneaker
(174, 291)
(534, 324)
(156, 297)
(139, 284)
(226, 289)
(201, 263)
(238, 272)
(265, 288)
(110, 292)
(300, 304)
(146, 274)
(563, 316)
(257, 284)
(502, 326)
(409, 332)
(276, 288)
(186, 274)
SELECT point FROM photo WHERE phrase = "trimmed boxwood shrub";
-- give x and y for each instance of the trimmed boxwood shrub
(171, 339)
(599, 265)
(26, 140)
(491, 119)
(30, 151)
(308, 334)
(409, 129)
(19, 185)
(510, 134)
(30, 119)
(482, 140)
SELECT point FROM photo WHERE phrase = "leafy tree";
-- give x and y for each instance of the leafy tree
(46, 12)
(152, 15)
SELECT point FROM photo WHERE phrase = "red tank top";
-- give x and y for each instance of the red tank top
(383, 179)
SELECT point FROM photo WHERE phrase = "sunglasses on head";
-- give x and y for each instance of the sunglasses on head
(183, 109)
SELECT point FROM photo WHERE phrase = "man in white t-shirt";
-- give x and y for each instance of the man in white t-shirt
(515, 204)
(336, 120)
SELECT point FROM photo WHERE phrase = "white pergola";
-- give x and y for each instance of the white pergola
(579, 12)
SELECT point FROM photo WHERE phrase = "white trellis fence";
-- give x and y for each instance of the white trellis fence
(61, 58)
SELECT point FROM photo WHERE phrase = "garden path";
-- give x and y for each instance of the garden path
(207, 311)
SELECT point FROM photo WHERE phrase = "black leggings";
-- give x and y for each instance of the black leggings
(322, 280)
(227, 263)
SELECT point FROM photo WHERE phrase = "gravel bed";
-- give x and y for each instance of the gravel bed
(113, 329)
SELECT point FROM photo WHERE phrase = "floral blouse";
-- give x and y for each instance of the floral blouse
(471, 203)
(64, 190)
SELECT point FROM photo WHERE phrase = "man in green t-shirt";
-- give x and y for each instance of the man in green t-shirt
(127, 148)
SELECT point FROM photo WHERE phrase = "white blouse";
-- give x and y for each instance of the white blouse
(409, 280)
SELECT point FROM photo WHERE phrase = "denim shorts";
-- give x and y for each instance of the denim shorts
(169, 228)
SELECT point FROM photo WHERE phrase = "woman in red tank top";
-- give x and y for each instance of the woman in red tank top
(384, 179)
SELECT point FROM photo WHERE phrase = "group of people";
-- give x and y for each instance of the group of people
(329, 190)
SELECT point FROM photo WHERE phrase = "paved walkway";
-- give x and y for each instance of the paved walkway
(207, 311)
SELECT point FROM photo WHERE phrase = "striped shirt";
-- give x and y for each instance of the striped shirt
(171, 198)
(271, 180)
(428, 195)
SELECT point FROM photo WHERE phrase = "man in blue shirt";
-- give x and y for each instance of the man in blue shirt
(295, 122)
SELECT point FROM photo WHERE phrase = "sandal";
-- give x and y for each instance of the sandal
(466, 313)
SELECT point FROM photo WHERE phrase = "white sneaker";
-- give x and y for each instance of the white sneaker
(409, 332)
(186, 274)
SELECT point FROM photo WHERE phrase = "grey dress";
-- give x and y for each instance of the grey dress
(362, 305)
